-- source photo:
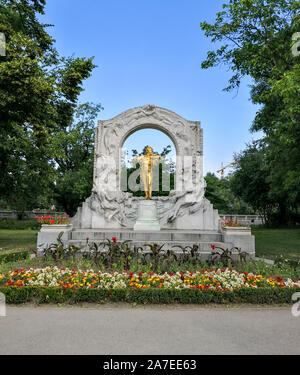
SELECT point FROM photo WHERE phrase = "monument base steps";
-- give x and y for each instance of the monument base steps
(169, 238)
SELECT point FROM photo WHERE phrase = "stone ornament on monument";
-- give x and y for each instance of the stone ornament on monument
(147, 217)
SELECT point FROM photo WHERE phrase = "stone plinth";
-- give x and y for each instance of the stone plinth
(240, 237)
(56, 228)
(171, 239)
(147, 217)
(49, 233)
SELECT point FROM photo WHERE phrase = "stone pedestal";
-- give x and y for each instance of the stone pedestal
(147, 217)
(240, 237)
(49, 233)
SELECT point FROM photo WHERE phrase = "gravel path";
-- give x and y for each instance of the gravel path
(122, 329)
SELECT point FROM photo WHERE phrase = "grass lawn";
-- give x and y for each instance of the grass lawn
(18, 239)
(273, 242)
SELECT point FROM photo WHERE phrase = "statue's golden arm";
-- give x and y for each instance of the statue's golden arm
(138, 158)
(155, 158)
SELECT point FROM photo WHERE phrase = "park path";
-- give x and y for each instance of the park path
(122, 329)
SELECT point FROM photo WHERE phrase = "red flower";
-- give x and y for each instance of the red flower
(213, 247)
(114, 239)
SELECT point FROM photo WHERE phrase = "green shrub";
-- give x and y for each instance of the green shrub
(150, 296)
(13, 256)
(14, 224)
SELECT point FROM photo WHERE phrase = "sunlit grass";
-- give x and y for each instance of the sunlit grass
(18, 239)
(274, 242)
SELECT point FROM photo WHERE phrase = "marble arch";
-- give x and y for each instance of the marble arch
(187, 136)
(109, 207)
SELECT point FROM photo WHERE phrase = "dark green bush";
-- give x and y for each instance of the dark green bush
(13, 256)
(281, 261)
(15, 224)
(150, 296)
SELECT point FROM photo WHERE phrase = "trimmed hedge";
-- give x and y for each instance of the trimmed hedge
(14, 224)
(13, 256)
(17, 295)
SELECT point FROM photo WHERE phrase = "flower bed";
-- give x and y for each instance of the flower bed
(230, 223)
(58, 220)
(212, 286)
(220, 279)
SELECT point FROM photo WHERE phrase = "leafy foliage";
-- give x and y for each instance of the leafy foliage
(38, 94)
(221, 194)
(72, 152)
(250, 181)
(256, 39)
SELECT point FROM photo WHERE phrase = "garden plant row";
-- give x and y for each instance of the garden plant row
(220, 286)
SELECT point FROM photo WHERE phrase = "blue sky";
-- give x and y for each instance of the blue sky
(150, 52)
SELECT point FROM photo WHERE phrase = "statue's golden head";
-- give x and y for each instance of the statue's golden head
(149, 150)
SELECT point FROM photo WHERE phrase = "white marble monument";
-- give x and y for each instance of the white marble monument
(186, 208)
(185, 217)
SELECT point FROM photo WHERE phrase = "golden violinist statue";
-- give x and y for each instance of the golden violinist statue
(146, 169)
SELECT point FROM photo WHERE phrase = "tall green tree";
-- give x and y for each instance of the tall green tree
(72, 152)
(250, 181)
(38, 95)
(220, 193)
(255, 39)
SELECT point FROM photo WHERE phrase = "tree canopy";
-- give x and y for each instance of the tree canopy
(256, 38)
(72, 151)
(38, 96)
(220, 193)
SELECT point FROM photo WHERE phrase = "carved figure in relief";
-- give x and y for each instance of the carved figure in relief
(185, 202)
